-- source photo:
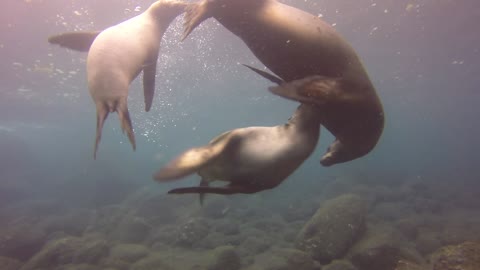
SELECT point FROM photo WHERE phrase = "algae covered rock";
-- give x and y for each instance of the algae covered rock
(285, 259)
(334, 228)
(79, 267)
(224, 258)
(9, 263)
(132, 229)
(128, 252)
(55, 253)
(254, 245)
(407, 265)
(381, 248)
(465, 256)
(339, 265)
(21, 242)
(91, 251)
(227, 227)
(72, 252)
(73, 223)
(153, 261)
(191, 232)
(216, 208)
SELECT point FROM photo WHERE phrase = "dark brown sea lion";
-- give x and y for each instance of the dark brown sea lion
(250, 159)
(319, 66)
(117, 55)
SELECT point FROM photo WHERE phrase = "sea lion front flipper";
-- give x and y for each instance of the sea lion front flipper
(317, 90)
(149, 72)
(337, 152)
(227, 190)
(265, 74)
(191, 160)
(203, 183)
(195, 14)
(78, 41)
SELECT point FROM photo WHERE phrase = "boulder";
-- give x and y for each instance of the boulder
(407, 265)
(70, 253)
(9, 263)
(92, 250)
(153, 261)
(54, 253)
(21, 241)
(216, 207)
(224, 258)
(254, 245)
(73, 223)
(465, 256)
(132, 229)
(128, 252)
(79, 267)
(334, 228)
(427, 242)
(110, 263)
(339, 265)
(285, 259)
(227, 227)
(216, 239)
(381, 248)
(191, 232)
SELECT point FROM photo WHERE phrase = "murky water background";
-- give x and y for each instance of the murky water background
(423, 57)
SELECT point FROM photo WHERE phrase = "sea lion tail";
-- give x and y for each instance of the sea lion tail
(195, 14)
(125, 121)
(102, 113)
(193, 159)
(185, 164)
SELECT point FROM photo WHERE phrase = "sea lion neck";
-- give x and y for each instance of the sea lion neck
(306, 117)
(236, 8)
(167, 10)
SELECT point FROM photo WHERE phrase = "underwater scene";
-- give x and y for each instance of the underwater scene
(239, 135)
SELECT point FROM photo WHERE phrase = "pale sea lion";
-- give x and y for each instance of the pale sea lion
(250, 159)
(117, 55)
(319, 66)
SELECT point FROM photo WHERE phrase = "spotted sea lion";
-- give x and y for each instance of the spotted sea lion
(117, 55)
(250, 159)
(319, 66)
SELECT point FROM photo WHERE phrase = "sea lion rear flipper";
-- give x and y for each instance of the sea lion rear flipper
(195, 14)
(191, 161)
(317, 90)
(227, 190)
(149, 72)
(125, 121)
(102, 113)
(265, 74)
(78, 41)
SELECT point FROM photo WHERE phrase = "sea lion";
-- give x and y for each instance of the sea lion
(117, 55)
(251, 159)
(319, 66)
